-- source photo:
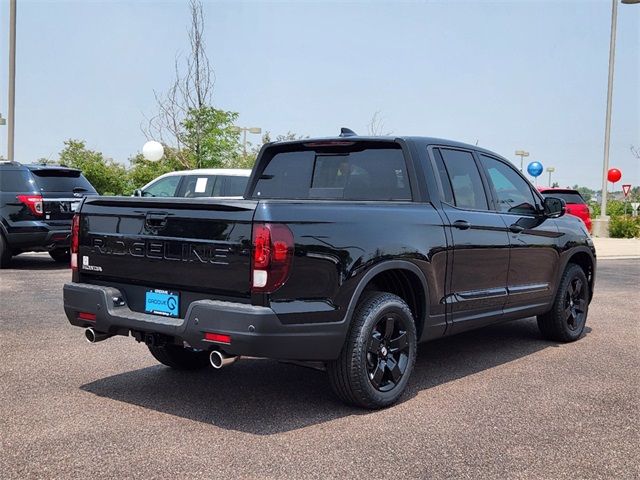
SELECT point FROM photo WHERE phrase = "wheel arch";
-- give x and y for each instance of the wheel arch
(583, 257)
(401, 278)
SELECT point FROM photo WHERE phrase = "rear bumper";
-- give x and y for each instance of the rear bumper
(39, 239)
(255, 331)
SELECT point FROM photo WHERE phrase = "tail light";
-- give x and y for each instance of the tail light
(272, 256)
(75, 241)
(33, 203)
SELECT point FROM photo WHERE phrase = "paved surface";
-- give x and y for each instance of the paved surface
(617, 248)
(495, 403)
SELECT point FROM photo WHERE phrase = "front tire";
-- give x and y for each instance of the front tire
(379, 353)
(567, 318)
(180, 358)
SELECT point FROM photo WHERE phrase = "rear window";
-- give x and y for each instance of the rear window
(568, 197)
(16, 181)
(374, 173)
(52, 180)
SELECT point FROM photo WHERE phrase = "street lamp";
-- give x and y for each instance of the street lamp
(11, 114)
(601, 224)
(550, 170)
(522, 154)
(244, 130)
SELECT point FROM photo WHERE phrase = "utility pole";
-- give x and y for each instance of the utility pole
(11, 114)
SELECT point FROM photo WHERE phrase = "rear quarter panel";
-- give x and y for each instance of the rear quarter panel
(336, 243)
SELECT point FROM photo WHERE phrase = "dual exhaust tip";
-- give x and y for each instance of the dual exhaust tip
(217, 358)
(220, 359)
(93, 336)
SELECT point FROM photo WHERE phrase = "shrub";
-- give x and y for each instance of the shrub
(624, 227)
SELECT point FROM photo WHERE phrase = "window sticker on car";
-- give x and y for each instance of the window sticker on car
(201, 184)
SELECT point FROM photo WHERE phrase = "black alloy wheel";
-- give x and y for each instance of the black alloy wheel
(387, 352)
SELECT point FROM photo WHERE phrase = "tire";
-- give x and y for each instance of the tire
(180, 358)
(567, 318)
(61, 255)
(379, 353)
(5, 253)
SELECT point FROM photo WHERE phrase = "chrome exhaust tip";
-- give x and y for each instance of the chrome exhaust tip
(94, 337)
(219, 359)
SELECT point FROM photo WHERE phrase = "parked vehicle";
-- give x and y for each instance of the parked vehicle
(37, 204)
(205, 182)
(574, 201)
(347, 250)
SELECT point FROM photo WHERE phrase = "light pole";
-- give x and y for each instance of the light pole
(244, 130)
(601, 224)
(522, 154)
(550, 170)
(11, 114)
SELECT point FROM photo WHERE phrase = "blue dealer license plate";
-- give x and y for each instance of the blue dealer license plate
(162, 302)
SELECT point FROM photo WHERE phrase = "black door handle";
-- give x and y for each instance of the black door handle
(155, 220)
(461, 224)
(515, 228)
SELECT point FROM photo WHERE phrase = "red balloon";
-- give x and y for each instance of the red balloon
(614, 175)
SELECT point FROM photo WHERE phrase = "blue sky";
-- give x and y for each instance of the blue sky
(510, 75)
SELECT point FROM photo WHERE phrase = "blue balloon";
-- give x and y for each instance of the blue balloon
(535, 169)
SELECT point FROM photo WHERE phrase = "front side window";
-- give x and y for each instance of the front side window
(352, 173)
(513, 193)
(165, 187)
(466, 184)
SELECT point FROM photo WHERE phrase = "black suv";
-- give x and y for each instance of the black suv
(37, 203)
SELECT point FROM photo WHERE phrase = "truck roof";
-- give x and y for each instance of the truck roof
(390, 138)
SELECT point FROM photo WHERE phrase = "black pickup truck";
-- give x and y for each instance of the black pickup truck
(346, 250)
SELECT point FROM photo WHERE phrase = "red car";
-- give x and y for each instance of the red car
(575, 203)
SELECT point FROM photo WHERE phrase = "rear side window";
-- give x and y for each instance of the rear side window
(51, 180)
(466, 184)
(234, 186)
(355, 173)
(194, 186)
(16, 181)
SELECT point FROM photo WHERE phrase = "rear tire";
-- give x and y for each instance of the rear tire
(379, 353)
(567, 318)
(61, 255)
(180, 358)
(5, 253)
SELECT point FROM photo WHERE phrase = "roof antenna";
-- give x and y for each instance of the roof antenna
(347, 132)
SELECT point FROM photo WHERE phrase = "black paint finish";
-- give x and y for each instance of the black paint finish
(457, 269)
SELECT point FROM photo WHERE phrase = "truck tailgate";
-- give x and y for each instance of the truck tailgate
(200, 245)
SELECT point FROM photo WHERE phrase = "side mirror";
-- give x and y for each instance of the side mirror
(137, 192)
(554, 207)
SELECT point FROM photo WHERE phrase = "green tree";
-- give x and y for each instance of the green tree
(142, 171)
(107, 177)
(209, 137)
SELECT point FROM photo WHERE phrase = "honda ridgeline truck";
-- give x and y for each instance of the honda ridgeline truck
(347, 250)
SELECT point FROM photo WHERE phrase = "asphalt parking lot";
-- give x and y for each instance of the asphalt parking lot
(494, 403)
